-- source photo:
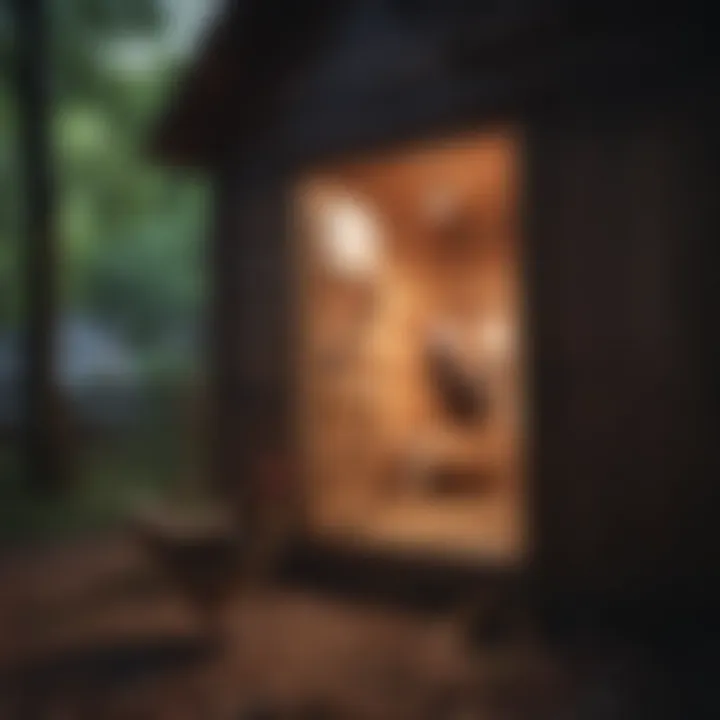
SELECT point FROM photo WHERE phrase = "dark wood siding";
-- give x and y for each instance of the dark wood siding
(620, 229)
(250, 340)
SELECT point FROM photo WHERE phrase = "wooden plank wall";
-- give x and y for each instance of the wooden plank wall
(620, 227)
(249, 343)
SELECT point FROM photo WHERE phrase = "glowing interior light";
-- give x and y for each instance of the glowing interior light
(440, 205)
(351, 236)
(496, 338)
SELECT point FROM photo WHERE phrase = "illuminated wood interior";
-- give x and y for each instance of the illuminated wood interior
(405, 261)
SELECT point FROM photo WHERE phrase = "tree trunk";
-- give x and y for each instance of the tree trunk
(42, 442)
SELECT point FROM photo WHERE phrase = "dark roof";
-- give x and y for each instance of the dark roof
(250, 49)
(387, 65)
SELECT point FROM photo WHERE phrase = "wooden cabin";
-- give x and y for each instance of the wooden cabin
(463, 287)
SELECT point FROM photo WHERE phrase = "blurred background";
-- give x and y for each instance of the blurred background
(129, 292)
(104, 299)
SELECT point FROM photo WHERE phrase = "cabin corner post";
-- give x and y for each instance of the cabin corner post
(221, 340)
(249, 347)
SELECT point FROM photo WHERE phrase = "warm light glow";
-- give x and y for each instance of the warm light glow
(439, 205)
(409, 415)
(496, 338)
(350, 236)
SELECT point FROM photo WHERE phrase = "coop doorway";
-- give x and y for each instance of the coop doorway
(410, 374)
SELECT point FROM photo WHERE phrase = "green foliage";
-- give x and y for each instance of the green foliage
(129, 233)
(130, 236)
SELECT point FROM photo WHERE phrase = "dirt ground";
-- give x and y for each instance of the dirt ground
(92, 631)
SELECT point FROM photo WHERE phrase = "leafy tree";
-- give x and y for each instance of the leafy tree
(130, 234)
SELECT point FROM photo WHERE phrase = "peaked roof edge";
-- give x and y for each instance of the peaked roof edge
(229, 85)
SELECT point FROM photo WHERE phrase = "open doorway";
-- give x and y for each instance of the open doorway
(410, 371)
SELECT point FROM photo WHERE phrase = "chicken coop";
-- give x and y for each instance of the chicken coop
(462, 284)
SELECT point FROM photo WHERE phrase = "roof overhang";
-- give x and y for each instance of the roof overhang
(249, 52)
